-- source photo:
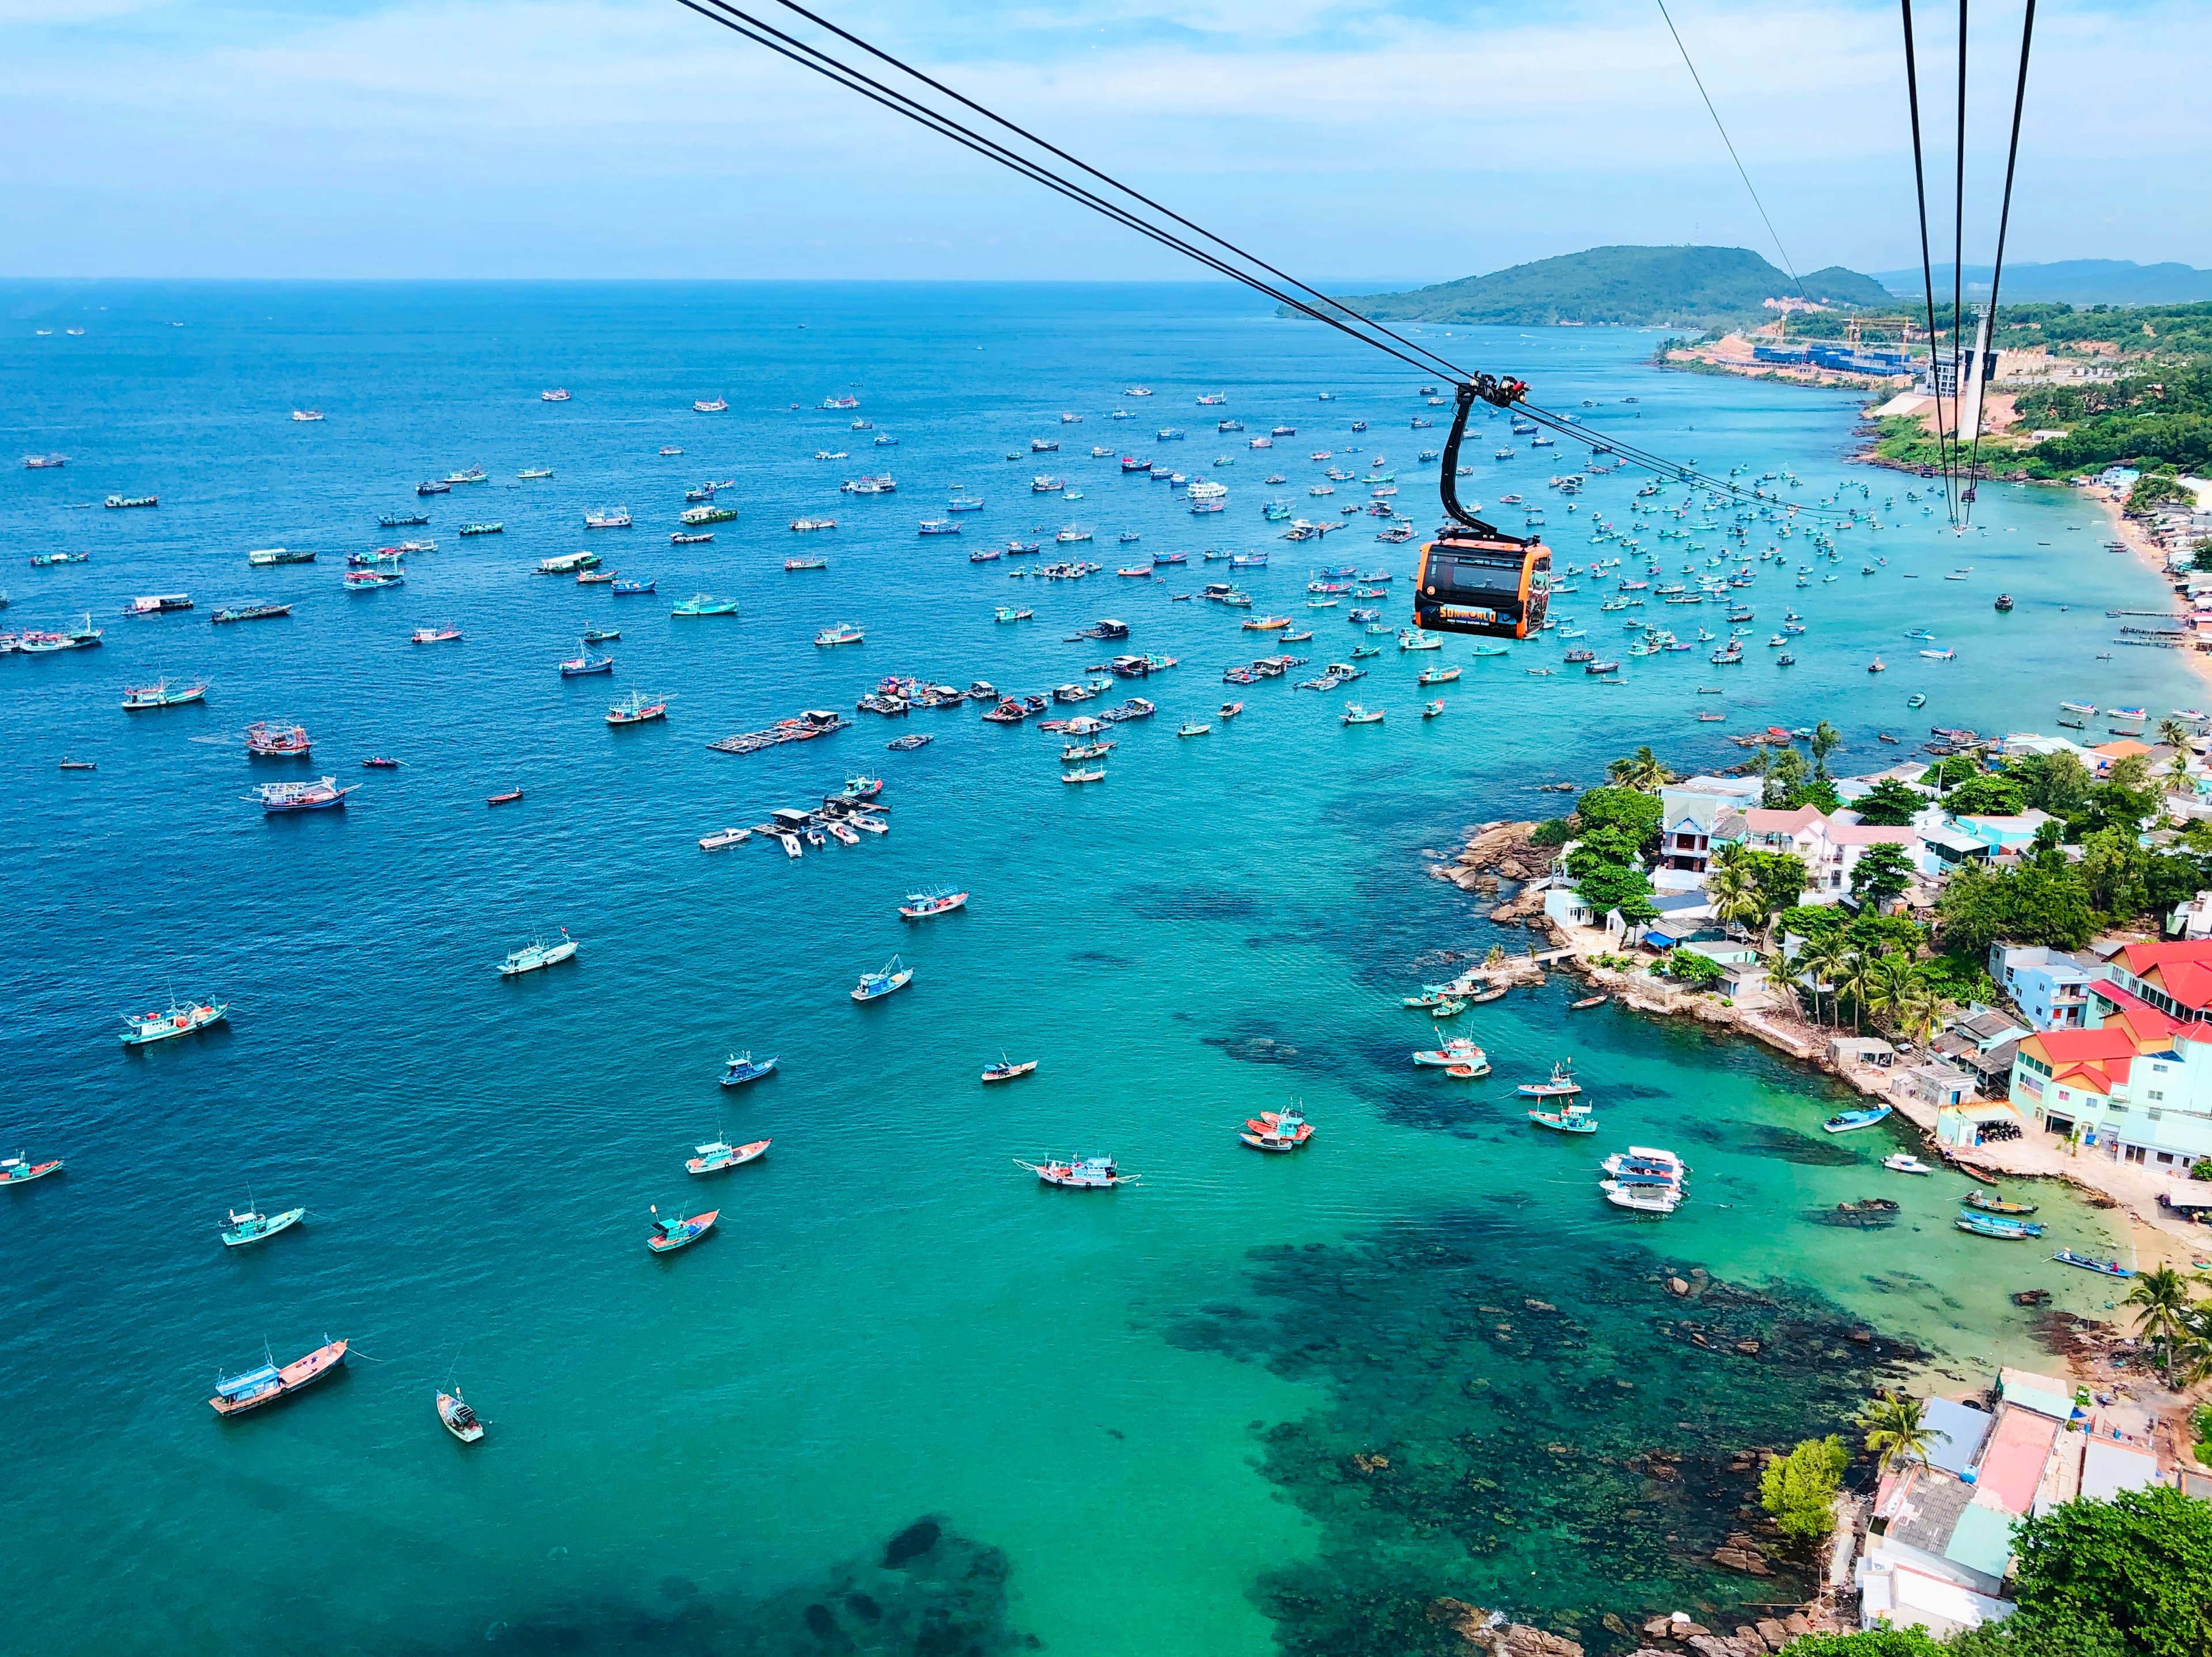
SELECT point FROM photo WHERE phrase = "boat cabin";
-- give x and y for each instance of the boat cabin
(791, 819)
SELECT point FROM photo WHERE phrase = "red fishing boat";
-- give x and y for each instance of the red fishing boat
(251, 1389)
(18, 1170)
(278, 741)
(507, 799)
(1274, 1130)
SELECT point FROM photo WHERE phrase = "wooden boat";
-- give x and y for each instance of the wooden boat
(668, 1236)
(1970, 1169)
(1088, 1174)
(1989, 1204)
(80, 765)
(2090, 1263)
(1851, 1120)
(1192, 728)
(1565, 1121)
(1984, 1225)
(1230, 710)
(1561, 1085)
(874, 986)
(1006, 1070)
(1454, 1052)
(1587, 1002)
(19, 1170)
(158, 695)
(921, 906)
(142, 1027)
(250, 1389)
(507, 799)
(461, 1420)
(1438, 676)
(743, 1067)
(1083, 776)
(716, 1158)
(637, 708)
(252, 1226)
(378, 763)
(1356, 715)
(1277, 1130)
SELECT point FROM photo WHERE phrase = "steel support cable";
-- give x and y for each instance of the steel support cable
(1928, 265)
(1106, 178)
(1700, 81)
(2004, 222)
(1958, 356)
(730, 16)
(844, 75)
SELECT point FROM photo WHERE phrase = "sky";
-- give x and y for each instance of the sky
(1382, 144)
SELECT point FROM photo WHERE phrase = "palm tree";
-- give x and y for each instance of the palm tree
(1735, 894)
(1825, 740)
(1857, 981)
(2190, 1351)
(1920, 1010)
(1642, 771)
(1823, 963)
(1896, 1428)
(2173, 733)
(1890, 980)
(2163, 1294)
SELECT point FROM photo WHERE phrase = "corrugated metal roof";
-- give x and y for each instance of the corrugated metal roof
(1982, 1539)
(1956, 1433)
(2108, 1468)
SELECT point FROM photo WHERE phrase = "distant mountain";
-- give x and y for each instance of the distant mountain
(2069, 281)
(1639, 286)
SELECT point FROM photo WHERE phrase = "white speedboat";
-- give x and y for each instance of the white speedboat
(1904, 1162)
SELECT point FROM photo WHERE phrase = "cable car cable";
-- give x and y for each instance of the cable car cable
(2005, 221)
(1733, 156)
(1927, 269)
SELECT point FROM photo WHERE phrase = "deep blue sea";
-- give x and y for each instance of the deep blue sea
(902, 1399)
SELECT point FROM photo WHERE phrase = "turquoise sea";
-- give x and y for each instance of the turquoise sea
(903, 1398)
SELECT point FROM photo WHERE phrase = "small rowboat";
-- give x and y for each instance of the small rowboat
(1587, 1002)
(15, 1171)
(716, 1158)
(1006, 1070)
(379, 762)
(1466, 1072)
(2090, 1263)
(461, 1420)
(507, 799)
(1989, 1204)
(1565, 1121)
(1277, 1130)
(669, 1235)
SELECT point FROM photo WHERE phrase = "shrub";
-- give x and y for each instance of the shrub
(1799, 1488)
(1553, 832)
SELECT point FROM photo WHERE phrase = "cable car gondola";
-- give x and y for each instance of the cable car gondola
(1475, 578)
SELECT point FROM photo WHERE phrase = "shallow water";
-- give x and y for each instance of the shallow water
(892, 1320)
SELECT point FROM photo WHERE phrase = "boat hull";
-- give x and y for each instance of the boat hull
(300, 1373)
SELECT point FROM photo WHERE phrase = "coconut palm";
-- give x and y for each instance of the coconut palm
(1896, 1428)
(1890, 980)
(1822, 963)
(1642, 771)
(1857, 981)
(1734, 893)
(1920, 1010)
(2173, 733)
(2163, 1294)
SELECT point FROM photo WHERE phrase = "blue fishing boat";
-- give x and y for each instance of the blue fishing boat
(623, 589)
(250, 1225)
(671, 1235)
(1990, 1225)
(2091, 1263)
(875, 985)
(587, 663)
(1849, 1120)
(1565, 1121)
(743, 1067)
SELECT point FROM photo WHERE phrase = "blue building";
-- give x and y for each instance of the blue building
(2050, 988)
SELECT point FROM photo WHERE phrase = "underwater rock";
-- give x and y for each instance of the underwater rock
(911, 1543)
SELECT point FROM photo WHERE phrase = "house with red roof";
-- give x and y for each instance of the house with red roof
(2135, 1084)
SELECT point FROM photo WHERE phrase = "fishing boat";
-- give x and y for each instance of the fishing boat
(472, 475)
(1565, 1121)
(1230, 710)
(250, 1225)
(586, 663)
(905, 744)
(680, 539)
(1561, 1085)
(701, 603)
(1851, 1120)
(1088, 1174)
(364, 580)
(721, 1156)
(843, 634)
(378, 763)
(48, 559)
(2091, 1263)
(1438, 674)
(274, 742)
(249, 613)
(430, 487)
(441, 634)
(937, 901)
(807, 525)
(1354, 714)
(622, 589)
(1432, 710)
(160, 603)
(537, 955)
(1192, 728)
(507, 799)
(1587, 1002)
(567, 564)
(20, 1170)
(1414, 639)
(1006, 1070)
(619, 518)
(637, 708)
(669, 1235)
(1986, 1225)
(252, 1388)
(874, 986)
(452, 1409)
(494, 528)
(317, 796)
(1455, 1053)
(1994, 1205)
(1277, 1129)
(723, 838)
(1079, 775)
(1904, 1162)
(160, 695)
(790, 564)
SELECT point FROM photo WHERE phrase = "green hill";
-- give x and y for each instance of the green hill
(1636, 287)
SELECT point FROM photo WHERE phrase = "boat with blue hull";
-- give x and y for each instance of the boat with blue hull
(743, 1067)
(874, 986)
(1851, 1120)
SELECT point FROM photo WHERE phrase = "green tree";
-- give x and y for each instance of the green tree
(1634, 814)
(1799, 1488)
(1889, 804)
(2139, 1564)
(2113, 864)
(1883, 872)
(2163, 1296)
(1870, 1642)
(1826, 739)
(1780, 875)
(1735, 893)
(1691, 968)
(1786, 772)
(1949, 772)
(1896, 1428)
(1986, 795)
(2057, 783)
(2173, 733)
(1642, 770)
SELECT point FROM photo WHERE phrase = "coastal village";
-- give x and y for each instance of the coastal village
(1774, 900)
